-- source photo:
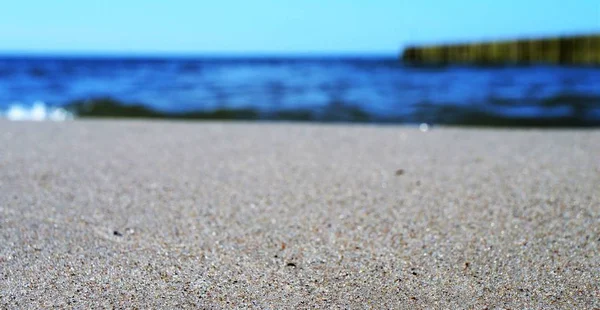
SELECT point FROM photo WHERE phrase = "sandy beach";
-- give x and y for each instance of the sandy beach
(153, 214)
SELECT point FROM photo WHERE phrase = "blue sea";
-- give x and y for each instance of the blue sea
(321, 89)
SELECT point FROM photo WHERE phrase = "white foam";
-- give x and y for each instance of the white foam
(37, 112)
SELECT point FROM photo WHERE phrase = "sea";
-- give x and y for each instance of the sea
(364, 89)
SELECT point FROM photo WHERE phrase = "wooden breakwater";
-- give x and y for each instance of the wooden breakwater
(572, 50)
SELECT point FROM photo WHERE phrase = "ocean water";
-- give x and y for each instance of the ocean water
(345, 89)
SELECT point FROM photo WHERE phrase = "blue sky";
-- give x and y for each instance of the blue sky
(276, 26)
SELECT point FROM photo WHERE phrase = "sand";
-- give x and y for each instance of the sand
(143, 214)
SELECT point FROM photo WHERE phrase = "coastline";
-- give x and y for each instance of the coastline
(167, 214)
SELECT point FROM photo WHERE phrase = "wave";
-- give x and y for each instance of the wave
(562, 110)
(39, 111)
(108, 107)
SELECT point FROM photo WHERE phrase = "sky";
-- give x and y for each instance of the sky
(278, 26)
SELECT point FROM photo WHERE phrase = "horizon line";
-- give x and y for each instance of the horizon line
(194, 54)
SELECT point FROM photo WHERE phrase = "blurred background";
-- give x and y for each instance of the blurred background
(486, 63)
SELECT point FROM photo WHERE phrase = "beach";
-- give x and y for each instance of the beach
(175, 214)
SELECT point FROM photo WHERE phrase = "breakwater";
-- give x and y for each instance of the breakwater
(571, 50)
